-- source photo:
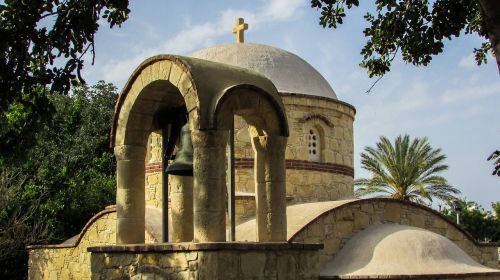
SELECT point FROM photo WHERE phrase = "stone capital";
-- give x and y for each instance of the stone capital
(269, 144)
(130, 152)
(209, 138)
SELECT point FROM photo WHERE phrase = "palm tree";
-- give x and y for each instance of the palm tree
(407, 171)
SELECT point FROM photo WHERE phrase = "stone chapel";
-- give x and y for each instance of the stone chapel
(270, 191)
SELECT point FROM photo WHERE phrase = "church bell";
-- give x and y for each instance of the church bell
(183, 161)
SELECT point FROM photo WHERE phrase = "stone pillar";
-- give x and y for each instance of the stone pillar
(270, 187)
(181, 208)
(209, 174)
(130, 199)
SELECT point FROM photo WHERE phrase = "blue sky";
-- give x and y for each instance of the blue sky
(453, 102)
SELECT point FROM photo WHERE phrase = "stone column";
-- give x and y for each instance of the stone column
(270, 187)
(130, 200)
(209, 174)
(181, 208)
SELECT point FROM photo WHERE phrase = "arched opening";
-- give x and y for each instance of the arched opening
(155, 88)
(165, 82)
(314, 144)
(268, 130)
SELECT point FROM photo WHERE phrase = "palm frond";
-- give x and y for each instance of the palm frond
(406, 170)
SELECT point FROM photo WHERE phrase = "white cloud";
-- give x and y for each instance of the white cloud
(195, 36)
(468, 62)
(467, 94)
(282, 9)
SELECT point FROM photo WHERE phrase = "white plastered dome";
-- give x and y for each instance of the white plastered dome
(288, 72)
(394, 249)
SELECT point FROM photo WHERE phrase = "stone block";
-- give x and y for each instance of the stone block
(191, 256)
(175, 74)
(453, 234)
(344, 228)
(332, 245)
(344, 214)
(361, 220)
(286, 267)
(164, 69)
(207, 266)
(367, 208)
(252, 264)
(417, 220)
(439, 223)
(392, 212)
(113, 273)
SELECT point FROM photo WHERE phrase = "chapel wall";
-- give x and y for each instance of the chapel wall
(244, 262)
(70, 261)
(328, 176)
(336, 227)
(308, 179)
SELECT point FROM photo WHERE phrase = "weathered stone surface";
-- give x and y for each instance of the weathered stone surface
(182, 208)
(357, 215)
(392, 212)
(209, 185)
(245, 261)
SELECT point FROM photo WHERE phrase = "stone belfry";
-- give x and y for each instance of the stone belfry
(211, 94)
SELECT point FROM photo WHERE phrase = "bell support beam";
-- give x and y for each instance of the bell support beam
(209, 174)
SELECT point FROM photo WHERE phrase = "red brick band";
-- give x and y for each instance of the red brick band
(153, 167)
(242, 163)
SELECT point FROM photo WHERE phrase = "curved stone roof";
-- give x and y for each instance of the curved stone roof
(288, 72)
(393, 249)
(298, 217)
(203, 86)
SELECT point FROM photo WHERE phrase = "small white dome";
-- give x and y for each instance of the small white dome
(393, 249)
(288, 72)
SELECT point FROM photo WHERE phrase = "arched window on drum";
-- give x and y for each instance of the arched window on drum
(314, 144)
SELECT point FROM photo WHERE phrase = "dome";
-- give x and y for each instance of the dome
(288, 72)
(393, 249)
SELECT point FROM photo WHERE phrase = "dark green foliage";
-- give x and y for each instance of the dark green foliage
(416, 29)
(42, 44)
(495, 157)
(483, 225)
(65, 176)
(72, 160)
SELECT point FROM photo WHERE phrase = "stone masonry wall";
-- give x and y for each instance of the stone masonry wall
(169, 262)
(304, 186)
(244, 208)
(336, 227)
(68, 261)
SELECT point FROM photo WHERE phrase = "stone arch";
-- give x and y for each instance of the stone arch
(315, 139)
(268, 128)
(206, 90)
(159, 81)
(158, 84)
(260, 109)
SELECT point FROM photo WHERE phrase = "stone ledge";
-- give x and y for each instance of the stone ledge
(415, 276)
(251, 196)
(245, 163)
(211, 246)
(292, 94)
